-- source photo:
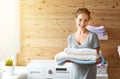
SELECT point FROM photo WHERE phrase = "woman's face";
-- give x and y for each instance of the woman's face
(82, 21)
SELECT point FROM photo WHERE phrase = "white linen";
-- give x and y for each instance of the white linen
(83, 51)
(63, 55)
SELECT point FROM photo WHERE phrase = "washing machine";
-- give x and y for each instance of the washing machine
(48, 69)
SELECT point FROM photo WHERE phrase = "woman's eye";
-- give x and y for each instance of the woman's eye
(80, 19)
(86, 20)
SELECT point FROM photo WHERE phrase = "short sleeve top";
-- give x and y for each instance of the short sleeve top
(90, 42)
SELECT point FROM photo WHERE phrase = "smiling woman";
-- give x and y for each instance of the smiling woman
(83, 38)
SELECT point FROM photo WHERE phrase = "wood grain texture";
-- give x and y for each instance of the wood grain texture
(114, 73)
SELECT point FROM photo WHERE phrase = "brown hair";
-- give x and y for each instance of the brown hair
(82, 10)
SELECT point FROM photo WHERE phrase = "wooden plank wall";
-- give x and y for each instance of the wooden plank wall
(45, 25)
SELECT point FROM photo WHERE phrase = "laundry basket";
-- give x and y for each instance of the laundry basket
(102, 68)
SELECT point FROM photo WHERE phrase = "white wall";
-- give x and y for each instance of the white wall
(9, 28)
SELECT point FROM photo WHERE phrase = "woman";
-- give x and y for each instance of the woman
(83, 38)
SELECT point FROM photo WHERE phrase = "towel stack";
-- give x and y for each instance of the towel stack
(100, 31)
(78, 55)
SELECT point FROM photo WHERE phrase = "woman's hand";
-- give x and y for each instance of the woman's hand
(98, 60)
(68, 61)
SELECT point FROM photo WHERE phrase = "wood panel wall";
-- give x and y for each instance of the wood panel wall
(46, 24)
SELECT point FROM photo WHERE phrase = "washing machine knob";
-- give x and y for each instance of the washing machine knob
(50, 72)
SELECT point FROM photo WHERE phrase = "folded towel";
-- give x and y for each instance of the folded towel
(63, 55)
(99, 29)
(83, 51)
(77, 61)
(61, 60)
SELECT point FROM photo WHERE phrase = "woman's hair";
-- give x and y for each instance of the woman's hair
(82, 10)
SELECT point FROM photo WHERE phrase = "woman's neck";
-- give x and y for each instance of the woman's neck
(81, 31)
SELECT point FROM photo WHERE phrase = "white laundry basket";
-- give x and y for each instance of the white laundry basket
(102, 68)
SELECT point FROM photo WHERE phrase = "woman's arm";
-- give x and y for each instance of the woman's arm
(99, 59)
(98, 49)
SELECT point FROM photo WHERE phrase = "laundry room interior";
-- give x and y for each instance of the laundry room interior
(43, 27)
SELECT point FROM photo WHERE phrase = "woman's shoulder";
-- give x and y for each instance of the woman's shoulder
(92, 33)
(71, 36)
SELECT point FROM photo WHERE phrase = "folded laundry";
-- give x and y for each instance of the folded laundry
(100, 30)
(63, 55)
(79, 58)
(77, 61)
(95, 28)
(83, 51)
